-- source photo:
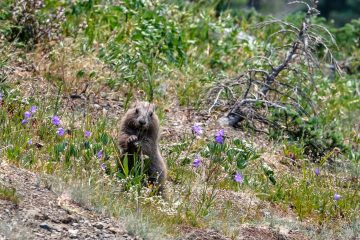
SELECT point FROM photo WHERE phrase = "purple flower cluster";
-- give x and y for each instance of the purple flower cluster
(197, 130)
(238, 178)
(196, 162)
(28, 114)
(99, 154)
(60, 131)
(317, 172)
(337, 197)
(55, 120)
(87, 134)
(219, 137)
(103, 166)
(33, 109)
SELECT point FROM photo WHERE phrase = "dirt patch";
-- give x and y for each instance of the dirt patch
(42, 214)
(245, 233)
(255, 233)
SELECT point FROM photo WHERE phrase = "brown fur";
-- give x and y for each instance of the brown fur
(139, 134)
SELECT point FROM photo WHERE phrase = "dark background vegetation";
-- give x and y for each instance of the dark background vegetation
(338, 12)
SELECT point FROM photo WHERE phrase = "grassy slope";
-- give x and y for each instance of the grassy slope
(172, 55)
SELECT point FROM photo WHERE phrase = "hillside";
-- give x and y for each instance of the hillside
(259, 117)
(36, 212)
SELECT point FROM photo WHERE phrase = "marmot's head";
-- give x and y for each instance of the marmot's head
(142, 115)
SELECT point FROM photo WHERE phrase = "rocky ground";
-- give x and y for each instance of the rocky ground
(42, 214)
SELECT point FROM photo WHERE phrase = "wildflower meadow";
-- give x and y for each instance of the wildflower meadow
(259, 115)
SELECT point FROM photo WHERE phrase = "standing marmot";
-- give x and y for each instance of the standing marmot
(139, 134)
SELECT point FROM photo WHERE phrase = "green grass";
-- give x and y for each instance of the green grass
(9, 194)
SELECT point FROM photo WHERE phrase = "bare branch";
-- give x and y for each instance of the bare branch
(278, 81)
(326, 31)
(301, 2)
(263, 24)
(281, 32)
(216, 100)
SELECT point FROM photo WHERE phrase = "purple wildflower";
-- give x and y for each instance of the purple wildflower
(99, 154)
(27, 114)
(87, 134)
(60, 132)
(337, 197)
(221, 132)
(219, 137)
(197, 130)
(29, 142)
(24, 122)
(55, 120)
(238, 178)
(33, 109)
(317, 172)
(103, 166)
(196, 162)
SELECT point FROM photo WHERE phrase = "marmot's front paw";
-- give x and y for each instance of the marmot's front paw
(132, 139)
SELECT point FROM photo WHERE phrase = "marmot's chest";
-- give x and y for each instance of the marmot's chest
(142, 135)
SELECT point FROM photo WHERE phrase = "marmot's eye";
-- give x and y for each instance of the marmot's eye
(151, 114)
(136, 110)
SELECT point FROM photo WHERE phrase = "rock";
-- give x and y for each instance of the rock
(107, 235)
(99, 225)
(201, 234)
(40, 235)
(45, 226)
(113, 230)
(73, 233)
(36, 214)
(68, 220)
(49, 227)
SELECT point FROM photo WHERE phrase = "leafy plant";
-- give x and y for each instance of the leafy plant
(33, 21)
(9, 194)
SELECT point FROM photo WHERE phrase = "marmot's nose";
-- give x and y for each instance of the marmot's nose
(142, 122)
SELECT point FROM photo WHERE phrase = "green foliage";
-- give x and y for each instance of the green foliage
(31, 21)
(217, 163)
(8, 194)
(146, 42)
(233, 156)
(269, 173)
(348, 35)
(313, 195)
(133, 171)
(318, 138)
